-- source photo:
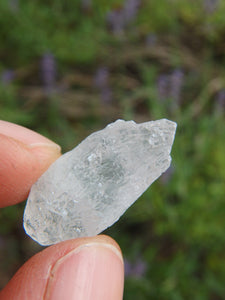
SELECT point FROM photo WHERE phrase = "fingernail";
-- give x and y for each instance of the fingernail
(52, 147)
(26, 136)
(91, 272)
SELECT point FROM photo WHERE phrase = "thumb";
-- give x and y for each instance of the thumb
(84, 268)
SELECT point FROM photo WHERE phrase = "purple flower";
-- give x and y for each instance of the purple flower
(139, 268)
(170, 85)
(210, 6)
(130, 10)
(136, 269)
(116, 23)
(128, 268)
(163, 86)
(101, 77)
(48, 71)
(101, 81)
(220, 101)
(119, 19)
(176, 83)
(7, 76)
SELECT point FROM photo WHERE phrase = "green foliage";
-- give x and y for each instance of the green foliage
(177, 226)
(10, 107)
(184, 221)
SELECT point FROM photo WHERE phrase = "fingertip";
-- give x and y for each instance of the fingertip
(45, 154)
(23, 134)
(92, 271)
(21, 165)
(85, 268)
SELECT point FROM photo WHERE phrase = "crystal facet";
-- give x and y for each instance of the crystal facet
(88, 188)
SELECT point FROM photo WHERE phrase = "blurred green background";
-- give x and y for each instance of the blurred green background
(68, 68)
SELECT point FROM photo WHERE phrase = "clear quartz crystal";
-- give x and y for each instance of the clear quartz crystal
(88, 188)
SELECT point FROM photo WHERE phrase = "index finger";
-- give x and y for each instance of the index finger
(24, 156)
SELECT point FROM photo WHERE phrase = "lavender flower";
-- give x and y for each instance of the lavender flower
(211, 6)
(136, 269)
(139, 268)
(163, 87)
(119, 19)
(170, 86)
(7, 77)
(220, 101)
(128, 268)
(130, 10)
(101, 81)
(48, 71)
(176, 83)
(101, 77)
(116, 23)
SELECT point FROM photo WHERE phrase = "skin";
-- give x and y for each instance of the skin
(84, 268)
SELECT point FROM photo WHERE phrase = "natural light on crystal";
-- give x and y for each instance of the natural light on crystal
(88, 188)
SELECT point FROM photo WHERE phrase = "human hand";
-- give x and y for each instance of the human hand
(83, 268)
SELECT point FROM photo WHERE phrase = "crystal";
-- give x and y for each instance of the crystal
(88, 188)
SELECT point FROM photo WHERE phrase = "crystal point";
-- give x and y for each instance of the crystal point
(88, 188)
